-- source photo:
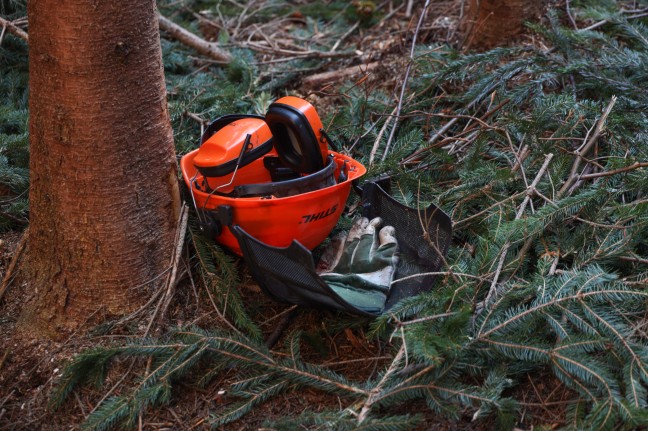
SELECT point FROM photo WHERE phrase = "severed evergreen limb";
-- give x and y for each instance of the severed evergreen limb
(500, 264)
(600, 124)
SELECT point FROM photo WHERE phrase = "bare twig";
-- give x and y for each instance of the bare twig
(297, 54)
(427, 318)
(408, 10)
(569, 15)
(14, 29)
(376, 144)
(4, 358)
(634, 259)
(432, 141)
(344, 36)
(573, 175)
(450, 273)
(280, 328)
(180, 237)
(338, 75)
(405, 79)
(485, 210)
(2, 33)
(520, 157)
(632, 167)
(530, 192)
(375, 392)
(209, 49)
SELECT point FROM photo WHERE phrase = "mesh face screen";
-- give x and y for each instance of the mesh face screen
(423, 239)
(288, 274)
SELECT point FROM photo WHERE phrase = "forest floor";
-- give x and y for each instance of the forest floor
(29, 368)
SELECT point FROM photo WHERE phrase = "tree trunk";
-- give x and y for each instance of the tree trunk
(104, 197)
(490, 23)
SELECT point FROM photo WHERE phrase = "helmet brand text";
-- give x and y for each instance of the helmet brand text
(308, 218)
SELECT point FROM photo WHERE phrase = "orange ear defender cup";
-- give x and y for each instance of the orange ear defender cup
(221, 145)
(297, 132)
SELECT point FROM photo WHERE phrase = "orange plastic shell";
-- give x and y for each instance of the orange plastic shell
(307, 217)
(225, 145)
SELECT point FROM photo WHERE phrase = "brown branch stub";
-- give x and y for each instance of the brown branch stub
(209, 49)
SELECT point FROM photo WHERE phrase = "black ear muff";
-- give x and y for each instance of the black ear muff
(294, 138)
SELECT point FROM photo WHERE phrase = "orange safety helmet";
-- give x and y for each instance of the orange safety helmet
(274, 176)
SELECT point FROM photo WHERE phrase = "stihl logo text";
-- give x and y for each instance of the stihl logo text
(308, 218)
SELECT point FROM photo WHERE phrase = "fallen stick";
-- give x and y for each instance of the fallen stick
(209, 49)
(337, 75)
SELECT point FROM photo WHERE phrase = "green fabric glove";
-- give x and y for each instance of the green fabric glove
(360, 266)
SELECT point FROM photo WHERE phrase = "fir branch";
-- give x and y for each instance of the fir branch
(374, 394)
(586, 147)
(518, 215)
(612, 294)
(253, 399)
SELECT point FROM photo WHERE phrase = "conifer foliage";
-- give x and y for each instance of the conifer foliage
(539, 154)
(14, 153)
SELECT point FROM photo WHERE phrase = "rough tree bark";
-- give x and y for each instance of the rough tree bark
(104, 197)
(490, 23)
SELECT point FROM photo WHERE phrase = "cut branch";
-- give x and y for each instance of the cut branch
(632, 167)
(573, 175)
(209, 49)
(530, 192)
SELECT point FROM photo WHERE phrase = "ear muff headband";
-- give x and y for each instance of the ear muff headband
(325, 177)
(294, 138)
